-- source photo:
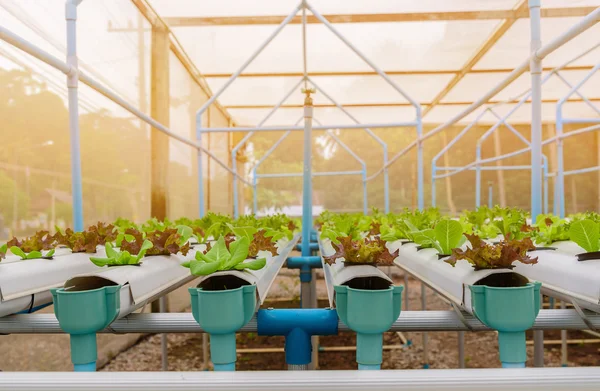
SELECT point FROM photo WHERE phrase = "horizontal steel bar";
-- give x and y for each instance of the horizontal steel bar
(282, 128)
(485, 168)
(184, 323)
(581, 120)
(299, 174)
(496, 379)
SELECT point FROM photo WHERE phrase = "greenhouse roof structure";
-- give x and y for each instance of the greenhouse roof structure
(444, 54)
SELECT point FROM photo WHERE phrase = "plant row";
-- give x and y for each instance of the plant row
(226, 243)
(497, 236)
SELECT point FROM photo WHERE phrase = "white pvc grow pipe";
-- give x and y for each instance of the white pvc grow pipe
(550, 379)
(26, 284)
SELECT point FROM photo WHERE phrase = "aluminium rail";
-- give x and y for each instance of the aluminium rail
(555, 319)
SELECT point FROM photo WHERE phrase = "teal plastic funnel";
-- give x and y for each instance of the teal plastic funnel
(369, 313)
(221, 314)
(82, 314)
(511, 311)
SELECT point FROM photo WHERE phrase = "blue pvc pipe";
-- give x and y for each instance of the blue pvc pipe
(478, 177)
(560, 165)
(307, 218)
(513, 365)
(305, 264)
(89, 367)
(433, 189)
(224, 367)
(366, 367)
(297, 325)
(490, 196)
(34, 309)
(200, 169)
(420, 191)
(311, 245)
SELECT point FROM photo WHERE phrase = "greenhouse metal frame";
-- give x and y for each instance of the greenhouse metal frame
(577, 319)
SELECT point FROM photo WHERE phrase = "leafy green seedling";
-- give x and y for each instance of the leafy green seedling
(586, 233)
(33, 254)
(3, 250)
(220, 258)
(445, 236)
(118, 258)
(550, 229)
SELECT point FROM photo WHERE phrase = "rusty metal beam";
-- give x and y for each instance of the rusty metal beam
(386, 104)
(189, 21)
(373, 73)
(498, 32)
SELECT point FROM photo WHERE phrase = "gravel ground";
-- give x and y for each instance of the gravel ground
(481, 349)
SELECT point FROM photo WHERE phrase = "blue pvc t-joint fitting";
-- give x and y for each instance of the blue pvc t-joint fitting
(297, 325)
(305, 264)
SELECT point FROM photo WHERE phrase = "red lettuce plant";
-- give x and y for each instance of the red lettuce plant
(482, 255)
(361, 251)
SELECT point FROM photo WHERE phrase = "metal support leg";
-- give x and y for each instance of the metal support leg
(163, 338)
(564, 358)
(314, 303)
(461, 349)
(424, 308)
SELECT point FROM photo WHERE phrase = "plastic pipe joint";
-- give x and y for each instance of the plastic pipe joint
(511, 311)
(305, 264)
(221, 314)
(369, 313)
(82, 314)
(297, 326)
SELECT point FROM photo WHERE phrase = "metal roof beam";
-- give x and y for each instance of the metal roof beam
(392, 73)
(498, 32)
(193, 21)
(386, 104)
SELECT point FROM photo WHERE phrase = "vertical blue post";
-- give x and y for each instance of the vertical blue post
(72, 84)
(254, 192)
(477, 176)
(490, 194)
(386, 181)
(364, 180)
(545, 168)
(535, 70)
(559, 194)
(307, 175)
(433, 188)
(200, 168)
(421, 201)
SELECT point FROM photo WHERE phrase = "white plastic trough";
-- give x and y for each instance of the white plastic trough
(450, 282)
(338, 274)
(156, 276)
(26, 284)
(564, 277)
(263, 278)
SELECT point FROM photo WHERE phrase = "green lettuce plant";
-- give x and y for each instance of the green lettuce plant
(445, 236)
(33, 254)
(219, 257)
(586, 233)
(550, 229)
(116, 257)
(3, 250)
(34, 246)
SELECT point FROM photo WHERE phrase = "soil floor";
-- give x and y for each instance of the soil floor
(185, 351)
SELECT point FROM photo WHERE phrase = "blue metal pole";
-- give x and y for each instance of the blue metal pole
(545, 168)
(254, 192)
(478, 177)
(560, 165)
(421, 200)
(535, 70)
(307, 218)
(364, 180)
(433, 188)
(490, 195)
(72, 84)
(200, 169)
(386, 181)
